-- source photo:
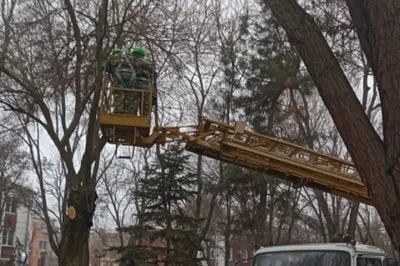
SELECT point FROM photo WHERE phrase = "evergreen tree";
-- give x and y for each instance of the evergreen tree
(167, 232)
(273, 79)
(272, 71)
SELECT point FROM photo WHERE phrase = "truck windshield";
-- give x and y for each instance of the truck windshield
(303, 258)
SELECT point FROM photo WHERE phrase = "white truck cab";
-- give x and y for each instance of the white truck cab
(332, 254)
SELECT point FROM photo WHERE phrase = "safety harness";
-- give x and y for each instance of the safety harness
(125, 67)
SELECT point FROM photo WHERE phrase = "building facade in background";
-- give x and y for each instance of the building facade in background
(15, 224)
(240, 250)
(40, 252)
(18, 224)
(100, 242)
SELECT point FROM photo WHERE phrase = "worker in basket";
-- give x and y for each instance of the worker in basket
(145, 79)
(123, 75)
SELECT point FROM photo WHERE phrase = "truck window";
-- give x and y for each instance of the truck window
(361, 261)
(303, 258)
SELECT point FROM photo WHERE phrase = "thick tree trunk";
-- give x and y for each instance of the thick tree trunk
(378, 27)
(75, 236)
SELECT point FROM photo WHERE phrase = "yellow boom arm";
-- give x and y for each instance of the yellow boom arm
(301, 166)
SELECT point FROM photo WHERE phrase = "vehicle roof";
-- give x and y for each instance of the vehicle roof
(359, 248)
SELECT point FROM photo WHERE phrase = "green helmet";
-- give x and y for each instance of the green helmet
(139, 51)
(115, 51)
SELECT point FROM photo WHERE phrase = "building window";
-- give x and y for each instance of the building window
(42, 244)
(243, 254)
(8, 237)
(43, 228)
(212, 253)
(231, 254)
(11, 205)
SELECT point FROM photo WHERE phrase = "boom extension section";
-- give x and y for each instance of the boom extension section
(124, 123)
(299, 165)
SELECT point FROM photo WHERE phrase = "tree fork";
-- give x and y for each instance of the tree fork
(366, 148)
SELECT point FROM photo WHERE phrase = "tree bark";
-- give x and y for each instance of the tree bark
(378, 28)
(76, 231)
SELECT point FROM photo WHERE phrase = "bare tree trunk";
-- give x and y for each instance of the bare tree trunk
(351, 229)
(228, 229)
(262, 216)
(75, 232)
(331, 227)
(378, 31)
(303, 121)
